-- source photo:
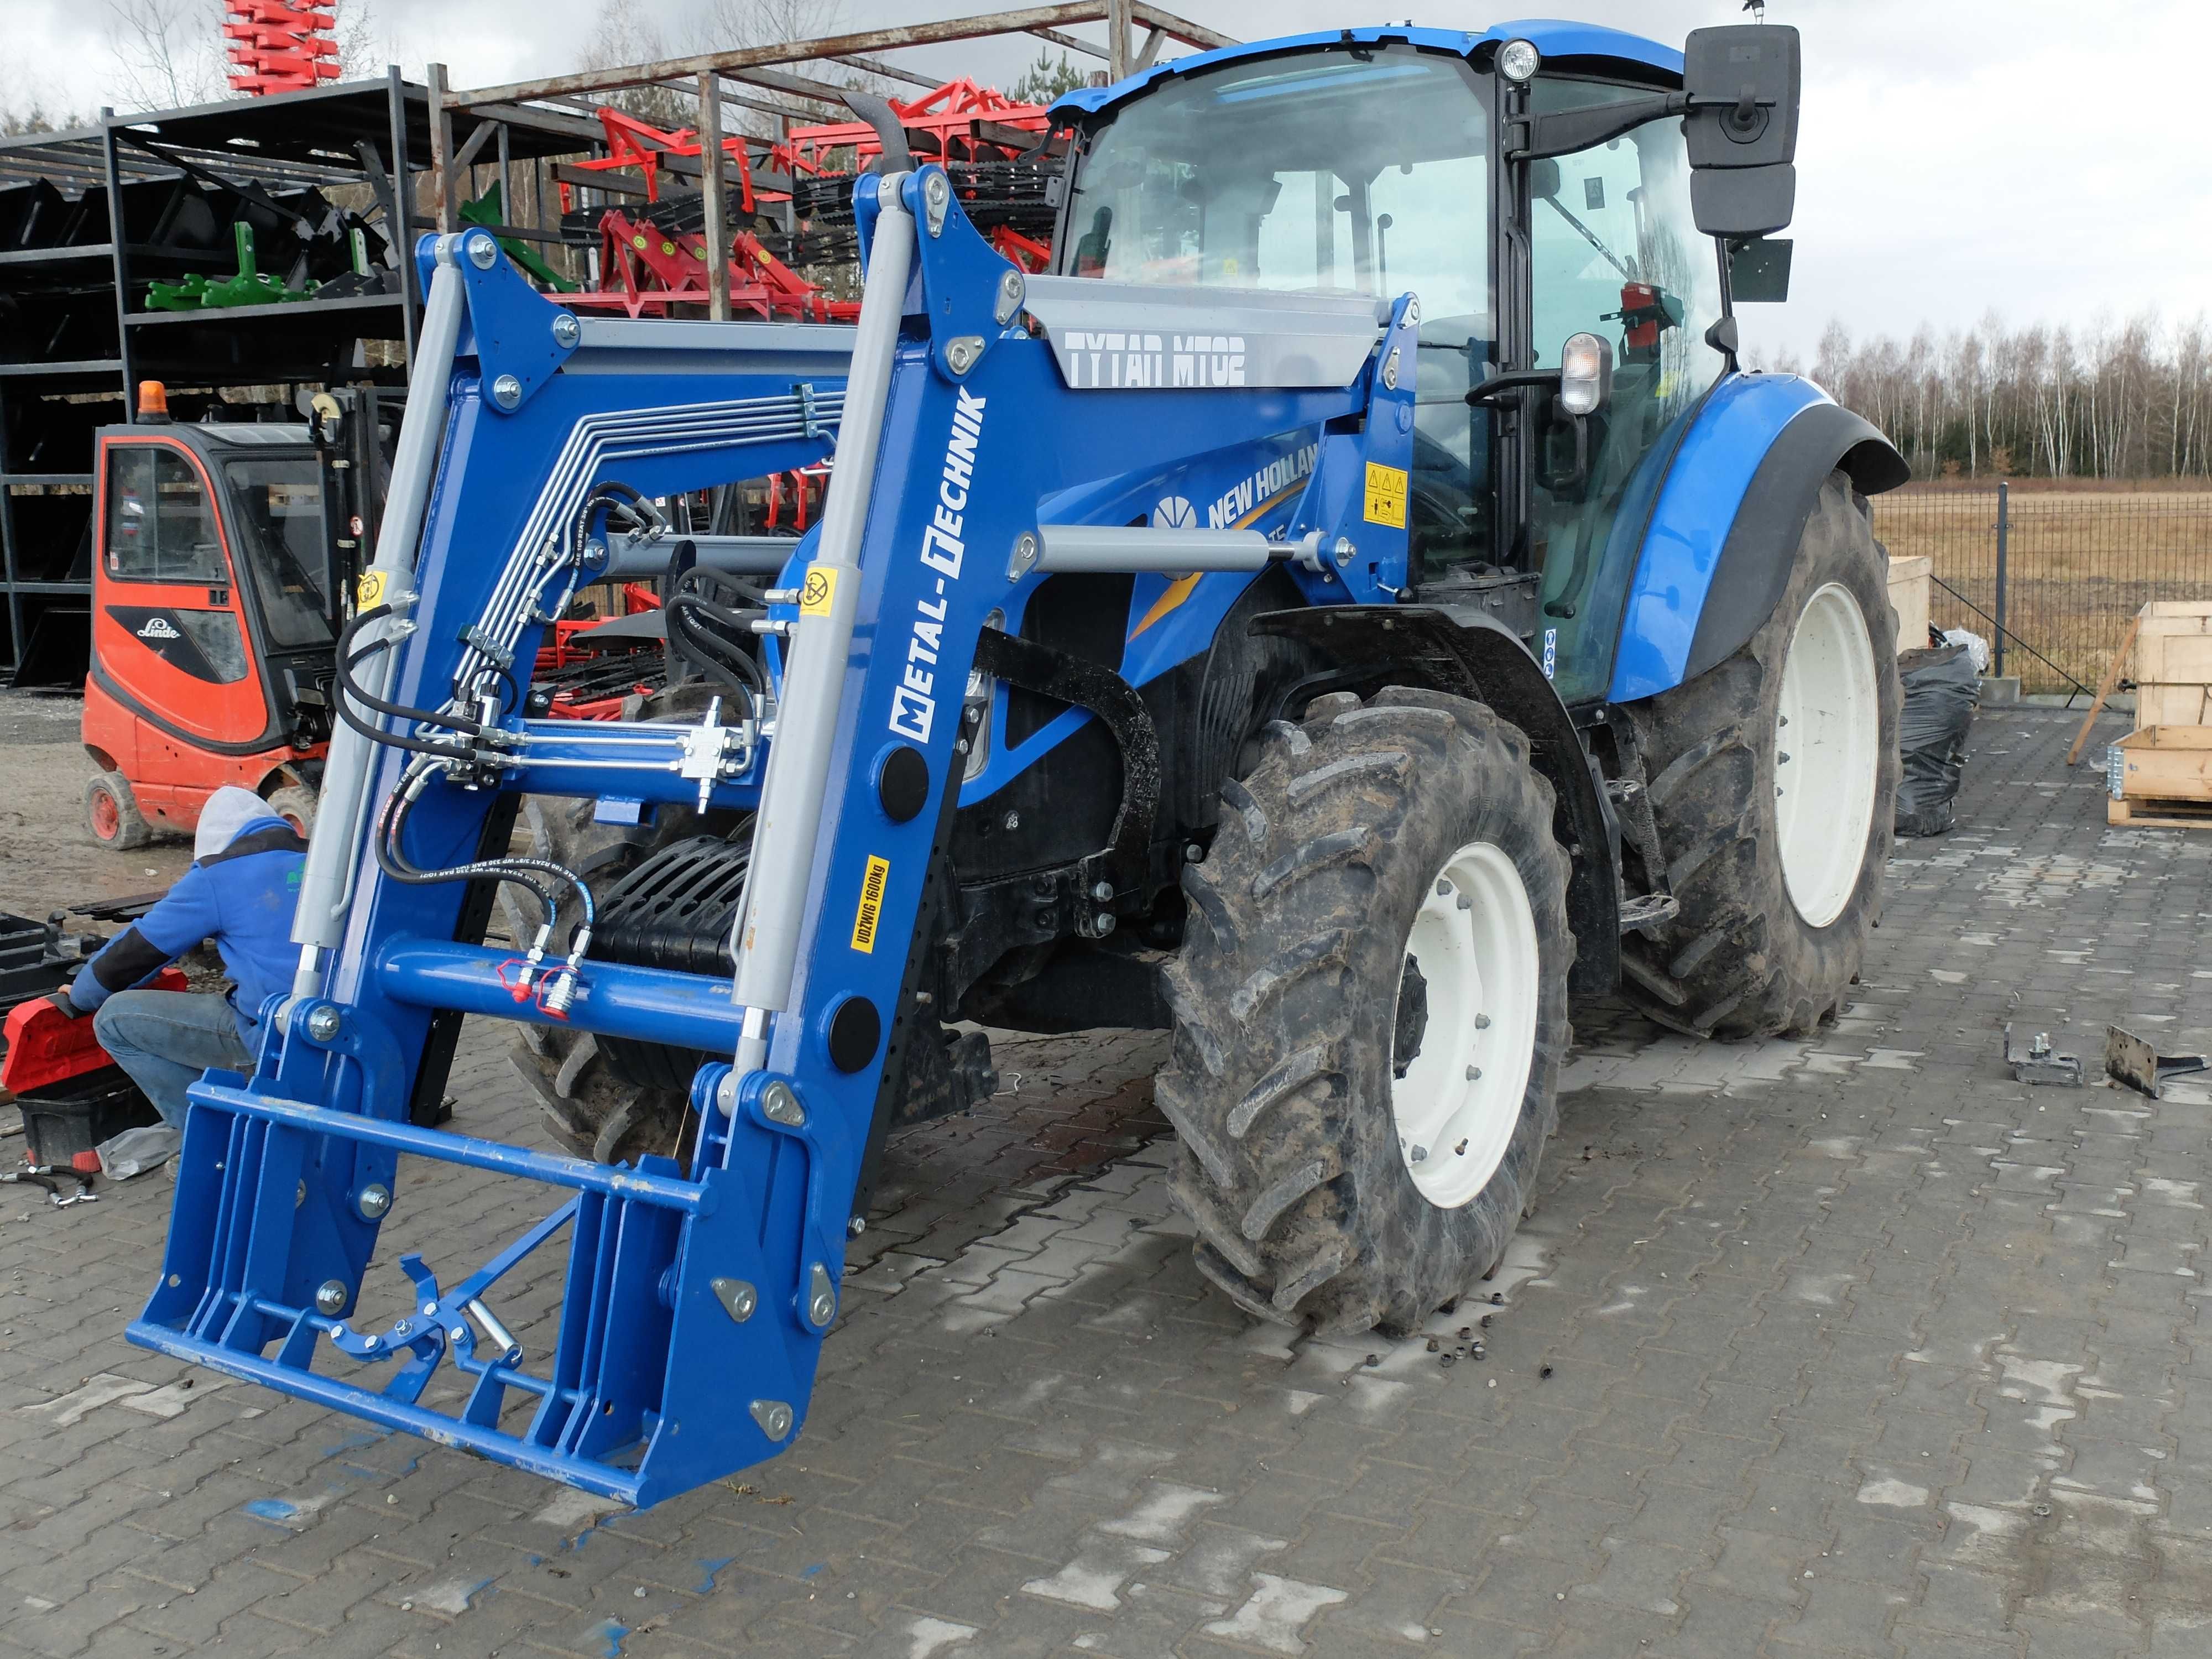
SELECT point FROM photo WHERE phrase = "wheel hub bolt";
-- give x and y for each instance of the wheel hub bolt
(1482, 1022)
(1443, 887)
(1420, 1155)
(1474, 1074)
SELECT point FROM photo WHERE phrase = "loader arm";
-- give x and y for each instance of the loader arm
(989, 429)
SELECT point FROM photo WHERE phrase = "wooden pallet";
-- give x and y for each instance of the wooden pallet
(2147, 814)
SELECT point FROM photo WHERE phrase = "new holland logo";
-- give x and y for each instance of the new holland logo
(1173, 513)
(158, 628)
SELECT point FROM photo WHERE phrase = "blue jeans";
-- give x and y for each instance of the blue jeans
(166, 1039)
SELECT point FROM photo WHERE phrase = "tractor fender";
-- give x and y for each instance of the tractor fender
(1467, 653)
(1728, 516)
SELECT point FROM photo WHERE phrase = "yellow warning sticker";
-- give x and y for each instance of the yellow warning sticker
(1386, 496)
(872, 903)
(821, 587)
(368, 592)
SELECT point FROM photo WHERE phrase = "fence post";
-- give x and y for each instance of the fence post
(2005, 528)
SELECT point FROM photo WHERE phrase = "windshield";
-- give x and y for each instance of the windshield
(278, 504)
(1346, 170)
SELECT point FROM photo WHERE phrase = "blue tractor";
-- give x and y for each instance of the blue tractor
(1352, 612)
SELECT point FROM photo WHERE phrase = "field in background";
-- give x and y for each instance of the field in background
(2079, 562)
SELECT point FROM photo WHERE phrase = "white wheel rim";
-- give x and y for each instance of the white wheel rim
(1474, 941)
(1827, 740)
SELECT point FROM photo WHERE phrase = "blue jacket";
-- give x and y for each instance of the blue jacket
(242, 898)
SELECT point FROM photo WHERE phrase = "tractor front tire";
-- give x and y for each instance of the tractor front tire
(1370, 1009)
(111, 816)
(1773, 788)
(594, 1113)
(591, 1109)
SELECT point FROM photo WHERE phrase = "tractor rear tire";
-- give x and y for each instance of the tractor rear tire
(111, 816)
(1777, 896)
(1311, 1047)
(593, 1111)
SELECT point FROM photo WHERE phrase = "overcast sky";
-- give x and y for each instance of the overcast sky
(2044, 158)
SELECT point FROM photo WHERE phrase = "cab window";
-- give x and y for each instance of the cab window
(160, 528)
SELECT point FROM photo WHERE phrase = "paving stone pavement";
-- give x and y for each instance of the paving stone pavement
(1844, 1347)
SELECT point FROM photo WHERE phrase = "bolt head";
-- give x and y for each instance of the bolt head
(323, 1023)
(1012, 289)
(938, 189)
(1343, 551)
(330, 1298)
(962, 351)
(821, 1309)
(1104, 923)
(1012, 820)
(856, 1226)
(780, 1105)
(506, 392)
(374, 1203)
(1103, 891)
(484, 252)
(567, 331)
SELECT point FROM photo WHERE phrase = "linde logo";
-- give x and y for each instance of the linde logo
(158, 628)
(1122, 359)
(913, 700)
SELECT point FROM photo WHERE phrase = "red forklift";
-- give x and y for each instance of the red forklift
(222, 556)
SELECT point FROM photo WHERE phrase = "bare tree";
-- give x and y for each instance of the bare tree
(2131, 399)
(169, 52)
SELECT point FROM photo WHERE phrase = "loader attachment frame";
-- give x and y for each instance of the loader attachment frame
(699, 1289)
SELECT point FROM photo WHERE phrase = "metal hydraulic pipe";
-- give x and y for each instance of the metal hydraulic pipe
(760, 556)
(646, 1005)
(1115, 548)
(789, 822)
(326, 883)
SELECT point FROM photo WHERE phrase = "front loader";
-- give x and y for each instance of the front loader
(1351, 612)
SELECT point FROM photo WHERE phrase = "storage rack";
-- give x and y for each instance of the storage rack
(85, 353)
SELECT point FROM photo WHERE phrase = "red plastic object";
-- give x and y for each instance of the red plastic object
(279, 46)
(1640, 316)
(46, 1047)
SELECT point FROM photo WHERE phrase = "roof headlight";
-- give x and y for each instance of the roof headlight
(1517, 59)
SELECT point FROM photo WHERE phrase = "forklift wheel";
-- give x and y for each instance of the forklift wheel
(296, 807)
(111, 813)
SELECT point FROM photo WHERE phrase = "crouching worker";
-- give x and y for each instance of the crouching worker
(239, 892)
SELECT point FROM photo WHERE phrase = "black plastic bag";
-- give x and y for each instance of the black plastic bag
(1942, 691)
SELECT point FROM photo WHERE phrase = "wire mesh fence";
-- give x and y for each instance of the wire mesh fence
(2063, 569)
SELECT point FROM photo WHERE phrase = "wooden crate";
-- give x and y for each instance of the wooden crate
(2173, 664)
(2166, 777)
(1909, 582)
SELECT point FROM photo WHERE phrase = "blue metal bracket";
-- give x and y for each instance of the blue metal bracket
(972, 291)
(519, 337)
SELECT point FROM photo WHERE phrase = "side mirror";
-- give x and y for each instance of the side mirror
(1743, 81)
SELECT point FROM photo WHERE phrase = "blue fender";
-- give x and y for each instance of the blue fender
(1725, 527)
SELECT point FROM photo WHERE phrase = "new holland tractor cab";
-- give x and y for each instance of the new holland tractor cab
(1351, 612)
(222, 551)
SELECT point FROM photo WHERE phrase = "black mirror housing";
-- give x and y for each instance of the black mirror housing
(1743, 83)
(1744, 201)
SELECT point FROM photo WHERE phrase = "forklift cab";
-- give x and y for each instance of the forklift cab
(222, 556)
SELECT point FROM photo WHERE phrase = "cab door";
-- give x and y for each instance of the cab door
(169, 637)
